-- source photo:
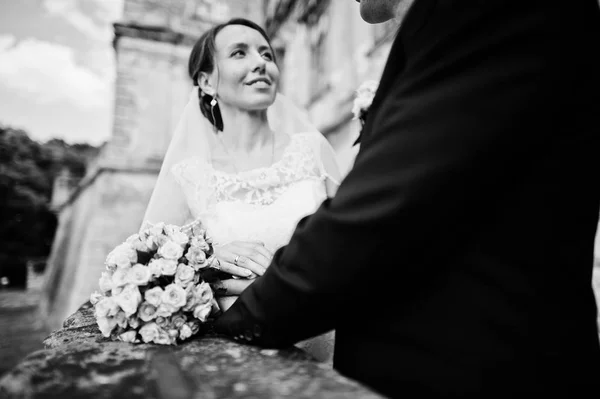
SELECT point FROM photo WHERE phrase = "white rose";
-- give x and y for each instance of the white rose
(121, 319)
(133, 322)
(141, 246)
(154, 296)
(180, 238)
(364, 97)
(203, 293)
(155, 267)
(174, 295)
(139, 274)
(129, 299)
(198, 230)
(170, 250)
(184, 275)
(111, 268)
(106, 325)
(162, 322)
(151, 243)
(201, 312)
(170, 229)
(196, 258)
(173, 333)
(194, 326)
(360, 104)
(116, 290)
(123, 256)
(106, 283)
(137, 243)
(157, 229)
(190, 300)
(178, 320)
(119, 278)
(107, 306)
(176, 235)
(185, 332)
(149, 332)
(200, 242)
(165, 310)
(147, 312)
(368, 88)
(128, 336)
(132, 239)
(168, 267)
(95, 297)
(163, 338)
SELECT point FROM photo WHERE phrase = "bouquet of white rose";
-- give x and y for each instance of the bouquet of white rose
(153, 289)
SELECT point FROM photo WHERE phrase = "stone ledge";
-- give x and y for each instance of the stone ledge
(79, 362)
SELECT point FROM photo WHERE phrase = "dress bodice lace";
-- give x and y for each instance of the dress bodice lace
(262, 204)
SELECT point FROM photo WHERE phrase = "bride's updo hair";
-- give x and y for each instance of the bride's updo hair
(202, 59)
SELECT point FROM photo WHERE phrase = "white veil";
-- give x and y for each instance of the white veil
(194, 137)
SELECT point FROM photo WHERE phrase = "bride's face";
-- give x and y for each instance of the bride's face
(245, 75)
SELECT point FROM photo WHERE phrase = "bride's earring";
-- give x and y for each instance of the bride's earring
(213, 102)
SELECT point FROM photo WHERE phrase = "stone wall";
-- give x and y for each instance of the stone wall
(102, 216)
(78, 362)
(191, 17)
(151, 90)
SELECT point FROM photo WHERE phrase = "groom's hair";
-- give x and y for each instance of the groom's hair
(202, 59)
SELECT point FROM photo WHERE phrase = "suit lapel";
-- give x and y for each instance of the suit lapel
(414, 20)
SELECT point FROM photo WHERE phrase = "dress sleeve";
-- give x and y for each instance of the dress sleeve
(326, 158)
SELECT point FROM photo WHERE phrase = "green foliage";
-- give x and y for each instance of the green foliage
(27, 172)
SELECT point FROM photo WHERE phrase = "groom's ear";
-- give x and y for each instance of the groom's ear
(204, 84)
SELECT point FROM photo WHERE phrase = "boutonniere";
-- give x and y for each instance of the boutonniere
(362, 103)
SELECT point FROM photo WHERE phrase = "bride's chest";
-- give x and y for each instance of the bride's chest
(272, 223)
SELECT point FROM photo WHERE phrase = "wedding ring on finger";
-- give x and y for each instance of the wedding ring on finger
(236, 260)
(216, 264)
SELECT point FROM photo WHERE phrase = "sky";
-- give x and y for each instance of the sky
(57, 68)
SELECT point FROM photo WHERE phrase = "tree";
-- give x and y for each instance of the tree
(27, 172)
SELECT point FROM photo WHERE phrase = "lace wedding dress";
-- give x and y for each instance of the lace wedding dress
(262, 204)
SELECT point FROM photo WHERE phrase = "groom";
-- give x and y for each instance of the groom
(456, 257)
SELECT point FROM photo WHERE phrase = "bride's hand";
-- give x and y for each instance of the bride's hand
(252, 258)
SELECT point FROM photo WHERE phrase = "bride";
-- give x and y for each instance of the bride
(243, 161)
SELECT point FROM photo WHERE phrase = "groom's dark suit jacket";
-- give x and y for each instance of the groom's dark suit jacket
(457, 255)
